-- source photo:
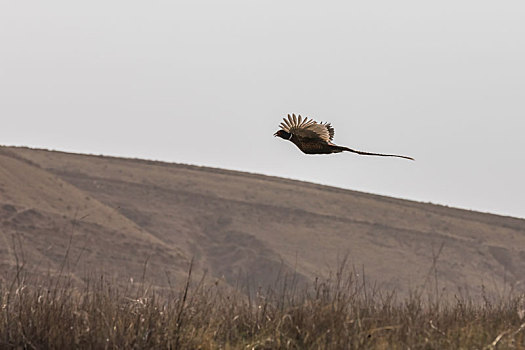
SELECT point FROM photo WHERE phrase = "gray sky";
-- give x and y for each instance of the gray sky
(207, 83)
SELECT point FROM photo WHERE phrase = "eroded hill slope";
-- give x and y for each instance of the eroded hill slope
(240, 226)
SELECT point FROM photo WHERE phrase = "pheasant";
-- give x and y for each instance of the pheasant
(316, 138)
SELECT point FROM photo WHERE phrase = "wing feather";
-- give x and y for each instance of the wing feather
(307, 128)
(330, 128)
(288, 121)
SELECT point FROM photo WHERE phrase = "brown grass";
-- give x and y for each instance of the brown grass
(339, 312)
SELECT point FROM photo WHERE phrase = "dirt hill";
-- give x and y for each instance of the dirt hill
(93, 214)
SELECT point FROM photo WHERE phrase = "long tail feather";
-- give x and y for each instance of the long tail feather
(374, 154)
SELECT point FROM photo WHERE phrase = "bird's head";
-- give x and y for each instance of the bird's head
(283, 134)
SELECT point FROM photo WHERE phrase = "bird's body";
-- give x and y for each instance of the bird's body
(316, 138)
(312, 146)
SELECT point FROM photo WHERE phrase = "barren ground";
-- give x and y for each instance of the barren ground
(119, 215)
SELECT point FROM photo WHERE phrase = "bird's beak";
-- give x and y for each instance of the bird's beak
(275, 134)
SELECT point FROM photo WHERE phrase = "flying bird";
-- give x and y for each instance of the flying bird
(316, 138)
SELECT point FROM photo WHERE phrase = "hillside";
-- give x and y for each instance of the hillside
(121, 215)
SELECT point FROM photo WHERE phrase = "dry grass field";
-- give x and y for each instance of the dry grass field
(338, 312)
(95, 253)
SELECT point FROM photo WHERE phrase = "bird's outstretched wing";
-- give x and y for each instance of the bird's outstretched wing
(308, 128)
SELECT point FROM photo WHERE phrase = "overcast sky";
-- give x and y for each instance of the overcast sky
(207, 83)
